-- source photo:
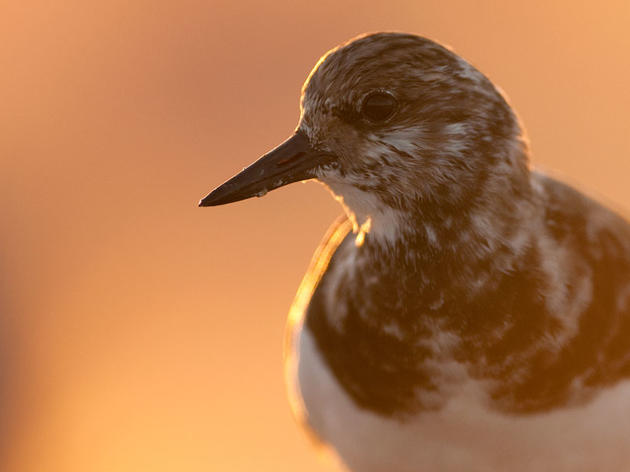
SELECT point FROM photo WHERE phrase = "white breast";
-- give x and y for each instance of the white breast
(463, 436)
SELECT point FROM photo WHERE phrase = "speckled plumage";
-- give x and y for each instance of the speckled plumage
(460, 281)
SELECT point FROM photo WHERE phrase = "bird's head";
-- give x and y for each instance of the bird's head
(394, 123)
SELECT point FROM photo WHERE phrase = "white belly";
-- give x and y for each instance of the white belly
(463, 436)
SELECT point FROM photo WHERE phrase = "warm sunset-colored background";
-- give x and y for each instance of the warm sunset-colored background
(139, 332)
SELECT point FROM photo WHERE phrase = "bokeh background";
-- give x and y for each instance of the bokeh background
(139, 332)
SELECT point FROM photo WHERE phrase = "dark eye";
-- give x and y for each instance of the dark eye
(378, 106)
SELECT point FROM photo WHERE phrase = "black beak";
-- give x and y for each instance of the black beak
(292, 161)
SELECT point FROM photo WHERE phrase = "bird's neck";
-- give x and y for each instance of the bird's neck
(494, 227)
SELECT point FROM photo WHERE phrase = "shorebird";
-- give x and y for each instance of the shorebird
(468, 313)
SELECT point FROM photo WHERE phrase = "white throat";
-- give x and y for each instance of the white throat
(370, 217)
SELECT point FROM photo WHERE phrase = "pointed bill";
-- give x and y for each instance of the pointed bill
(292, 161)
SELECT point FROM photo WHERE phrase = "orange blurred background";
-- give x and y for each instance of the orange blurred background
(139, 332)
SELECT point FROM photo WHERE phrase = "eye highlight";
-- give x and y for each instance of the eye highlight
(378, 106)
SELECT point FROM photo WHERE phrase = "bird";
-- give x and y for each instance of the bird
(467, 312)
